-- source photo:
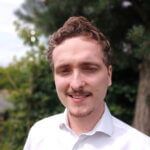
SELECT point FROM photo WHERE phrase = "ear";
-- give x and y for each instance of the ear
(109, 75)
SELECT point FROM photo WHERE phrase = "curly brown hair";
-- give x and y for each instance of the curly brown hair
(79, 26)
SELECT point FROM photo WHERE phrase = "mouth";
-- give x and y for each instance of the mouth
(78, 97)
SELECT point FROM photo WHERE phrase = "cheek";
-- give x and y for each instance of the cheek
(100, 81)
(60, 84)
(100, 84)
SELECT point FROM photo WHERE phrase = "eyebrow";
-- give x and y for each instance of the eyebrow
(90, 64)
(61, 66)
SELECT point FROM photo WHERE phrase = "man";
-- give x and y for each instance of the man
(80, 56)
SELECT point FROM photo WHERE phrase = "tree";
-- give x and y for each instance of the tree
(141, 38)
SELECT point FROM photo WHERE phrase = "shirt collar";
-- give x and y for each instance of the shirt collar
(64, 120)
(104, 125)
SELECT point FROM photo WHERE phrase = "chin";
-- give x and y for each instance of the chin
(80, 114)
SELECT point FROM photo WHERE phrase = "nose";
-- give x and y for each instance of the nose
(77, 81)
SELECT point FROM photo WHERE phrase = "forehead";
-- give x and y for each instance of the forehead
(77, 49)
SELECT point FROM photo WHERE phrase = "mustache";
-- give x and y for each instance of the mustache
(78, 92)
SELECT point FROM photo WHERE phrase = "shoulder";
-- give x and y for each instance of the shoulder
(43, 130)
(48, 124)
(124, 127)
(52, 120)
(129, 134)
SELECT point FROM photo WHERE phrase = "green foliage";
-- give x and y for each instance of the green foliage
(136, 34)
(122, 94)
(12, 76)
(33, 96)
(3, 79)
(141, 40)
(35, 99)
(28, 35)
(121, 101)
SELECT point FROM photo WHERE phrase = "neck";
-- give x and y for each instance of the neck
(85, 124)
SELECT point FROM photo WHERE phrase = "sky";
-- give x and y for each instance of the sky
(10, 44)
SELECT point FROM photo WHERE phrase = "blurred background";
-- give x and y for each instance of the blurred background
(11, 44)
(27, 91)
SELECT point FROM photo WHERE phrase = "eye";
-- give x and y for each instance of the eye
(90, 69)
(63, 71)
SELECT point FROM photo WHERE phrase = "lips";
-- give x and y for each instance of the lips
(79, 96)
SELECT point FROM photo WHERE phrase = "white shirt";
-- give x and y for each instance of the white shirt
(53, 133)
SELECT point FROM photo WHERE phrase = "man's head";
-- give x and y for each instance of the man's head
(80, 57)
(79, 26)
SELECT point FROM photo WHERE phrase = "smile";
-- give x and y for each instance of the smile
(79, 96)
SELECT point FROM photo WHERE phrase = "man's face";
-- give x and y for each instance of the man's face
(80, 75)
